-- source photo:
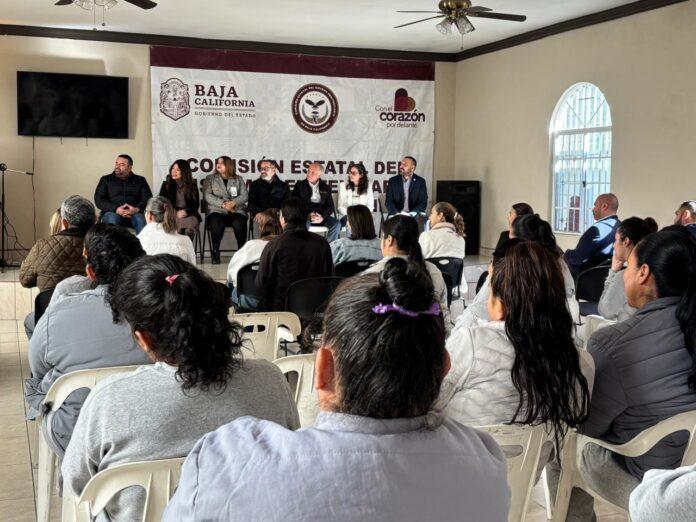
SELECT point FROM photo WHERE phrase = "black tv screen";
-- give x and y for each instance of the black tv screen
(72, 105)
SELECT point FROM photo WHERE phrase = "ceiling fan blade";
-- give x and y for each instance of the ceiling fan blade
(424, 12)
(142, 4)
(477, 9)
(418, 21)
(63, 2)
(499, 16)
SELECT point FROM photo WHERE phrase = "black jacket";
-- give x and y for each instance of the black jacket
(113, 192)
(417, 194)
(168, 190)
(303, 192)
(292, 256)
(264, 195)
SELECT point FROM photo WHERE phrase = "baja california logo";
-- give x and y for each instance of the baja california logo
(315, 108)
(174, 99)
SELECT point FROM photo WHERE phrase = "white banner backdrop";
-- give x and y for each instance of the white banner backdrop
(294, 119)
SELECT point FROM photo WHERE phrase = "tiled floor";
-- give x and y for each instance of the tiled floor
(17, 477)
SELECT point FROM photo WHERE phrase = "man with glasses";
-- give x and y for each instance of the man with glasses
(267, 191)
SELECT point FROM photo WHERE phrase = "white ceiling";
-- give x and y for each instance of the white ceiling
(336, 23)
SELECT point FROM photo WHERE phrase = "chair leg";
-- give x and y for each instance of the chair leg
(69, 511)
(567, 479)
(47, 471)
(547, 495)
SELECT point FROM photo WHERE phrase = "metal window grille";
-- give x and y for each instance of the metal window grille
(581, 156)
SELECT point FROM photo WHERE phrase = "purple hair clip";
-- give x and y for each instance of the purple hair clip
(384, 308)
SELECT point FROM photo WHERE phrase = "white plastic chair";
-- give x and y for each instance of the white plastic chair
(594, 323)
(159, 479)
(522, 468)
(267, 330)
(55, 397)
(305, 395)
(575, 444)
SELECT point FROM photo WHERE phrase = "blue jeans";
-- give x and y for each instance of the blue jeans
(333, 224)
(137, 222)
(246, 302)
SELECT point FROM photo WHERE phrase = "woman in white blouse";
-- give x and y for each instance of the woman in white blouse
(356, 191)
(160, 235)
(446, 235)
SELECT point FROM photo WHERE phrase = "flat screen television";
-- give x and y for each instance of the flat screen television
(72, 105)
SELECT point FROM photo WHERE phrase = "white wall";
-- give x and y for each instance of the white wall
(644, 65)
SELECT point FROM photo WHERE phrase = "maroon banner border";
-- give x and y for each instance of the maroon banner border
(279, 63)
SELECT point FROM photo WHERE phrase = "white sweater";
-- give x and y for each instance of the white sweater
(442, 241)
(155, 241)
(347, 198)
(248, 254)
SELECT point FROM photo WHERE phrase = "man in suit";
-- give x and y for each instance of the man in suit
(410, 183)
(686, 216)
(315, 198)
(596, 245)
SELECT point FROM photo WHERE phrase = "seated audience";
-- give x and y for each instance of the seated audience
(268, 191)
(517, 210)
(122, 195)
(55, 225)
(71, 285)
(446, 235)
(596, 244)
(362, 242)
(269, 228)
(686, 216)
(407, 191)
(294, 255)
(198, 383)
(59, 255)
(400, 239)
(376, 452)
(315, 197)
(665, 495)
(644, 366)
(612, 303)
(356, 191)
(160, 234)
(225, 195)
(78, 332)
(180, 188)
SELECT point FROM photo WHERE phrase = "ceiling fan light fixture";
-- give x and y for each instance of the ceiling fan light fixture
(84, 4)
(464, 25)
(106, 4)
(445, 27)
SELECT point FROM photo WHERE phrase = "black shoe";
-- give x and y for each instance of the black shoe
(215, 257)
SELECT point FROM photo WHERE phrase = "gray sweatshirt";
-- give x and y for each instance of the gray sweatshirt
(665, 496)
(612, 303)
(145, 415)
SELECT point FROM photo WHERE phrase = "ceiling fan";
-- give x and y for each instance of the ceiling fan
(106, 4)
(457, 13)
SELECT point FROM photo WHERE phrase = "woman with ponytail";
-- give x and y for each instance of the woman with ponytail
(645, 369)
(198, 383)
(160, 234)
(446, 235)
(400, 239)
(612, 303)
(376, 451)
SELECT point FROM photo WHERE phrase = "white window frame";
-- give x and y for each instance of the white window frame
(585, 133)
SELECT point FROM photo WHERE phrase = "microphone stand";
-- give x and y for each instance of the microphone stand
(3, 168)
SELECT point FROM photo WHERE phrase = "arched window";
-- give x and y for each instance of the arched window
(581, 163)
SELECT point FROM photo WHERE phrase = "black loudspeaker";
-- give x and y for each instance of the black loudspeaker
(466, 198)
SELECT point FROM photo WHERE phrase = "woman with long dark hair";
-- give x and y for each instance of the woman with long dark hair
(362, 242)
(400, 239)
(225, 193)
(645, 365)
(517, 210)
(376, 451)
(181, 190)
(612, 303)
(355, 191)
(198, 383)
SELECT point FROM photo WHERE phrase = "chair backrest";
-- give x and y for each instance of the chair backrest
(246, 280)
(382, 204)
(334, 196)
(204, 203)
(448, 283)
(350, 268)
(261, 332)
(159, 479)
(522, 464)
(41, 302)
(304, 394)
(454, 266)
(594, 323)
(68, 383)
(308, 297)
(590, 284)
